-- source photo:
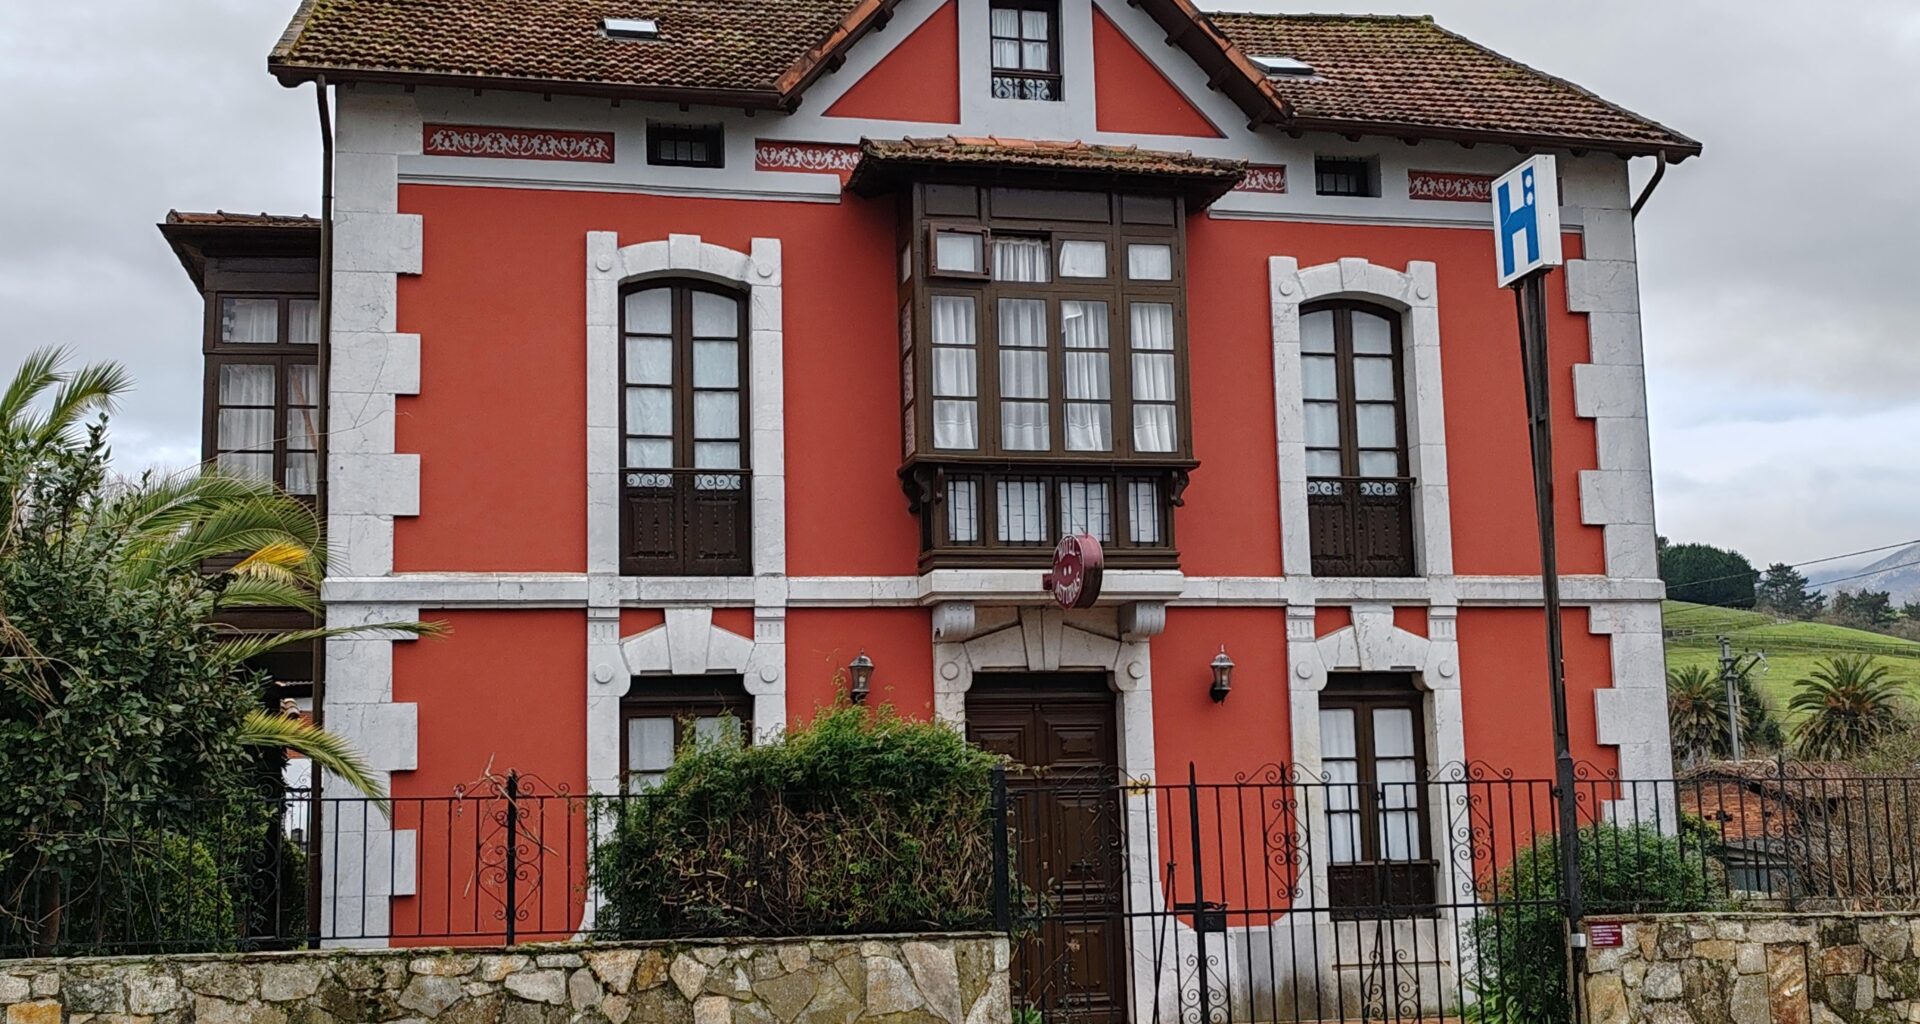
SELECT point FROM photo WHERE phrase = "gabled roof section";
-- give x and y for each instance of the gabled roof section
(1407, 76)
(194, 237)
(749, 53)
(885, 163)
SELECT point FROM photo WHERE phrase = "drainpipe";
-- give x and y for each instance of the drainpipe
(1659, 171)
(315, 821)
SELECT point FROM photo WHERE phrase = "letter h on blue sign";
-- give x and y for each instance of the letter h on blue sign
(1515, 221)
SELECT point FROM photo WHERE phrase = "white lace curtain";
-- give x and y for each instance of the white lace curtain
(1021, 260)
(1023, 375)
(1154, 428)
(956, 376)
(1089, 375)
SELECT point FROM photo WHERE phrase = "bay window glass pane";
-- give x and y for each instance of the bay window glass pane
(1318, 378)
(1372, 335)
(650, 311)
(963, 511)
(1154, 429)
(650, 411)
(1088, 376)
(716, 415)
(650, 361)
(1152, 377)
(1083, 324)
(957, 252)
(1081, 257)
(716, 364)
(1023, 323)
(1373, 378)
(1084, 509)
(716, 455)
(954, 373)
(1379, 464)
(303, 473)
(303, 321)
(246, 429)
(649, 454)
(956, 425)
(1023, 426)
(649, 744)
(303, 428)
(1152, 324)
(1316, 332)
(246, 384)
(1321, 462)
(1022, 505)
(1089, 426)
(249, 321)
(1374, 425)
(1323, 425)
(251, 465)
(303, 384)
(1021, 260)
(715, 316)
(1023, 373)
(1143, 512)
(953, 320)
(1149, 261)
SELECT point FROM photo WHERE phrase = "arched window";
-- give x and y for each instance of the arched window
(683, 362)
(1359, 495)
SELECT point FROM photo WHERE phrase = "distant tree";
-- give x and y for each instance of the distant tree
(1847, 704)
(1705, 574)
(1783, 591)
(1910, 611)
(1864, 609)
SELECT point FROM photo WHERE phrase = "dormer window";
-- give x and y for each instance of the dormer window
(1026, 49)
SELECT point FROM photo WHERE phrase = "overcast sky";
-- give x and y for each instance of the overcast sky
(1779, 304)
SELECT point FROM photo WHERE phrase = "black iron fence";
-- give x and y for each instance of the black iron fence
(1280, 894)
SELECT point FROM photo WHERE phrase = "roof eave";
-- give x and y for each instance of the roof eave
(1675, 149)
(294, 74)
(1228, 70)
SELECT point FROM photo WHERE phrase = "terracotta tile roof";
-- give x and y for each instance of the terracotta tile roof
(752, 52)
(1750, 801)
(222, 218)
(1371, 72)
(1202, 178)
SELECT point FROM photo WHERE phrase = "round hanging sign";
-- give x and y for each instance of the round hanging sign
(1077, 568)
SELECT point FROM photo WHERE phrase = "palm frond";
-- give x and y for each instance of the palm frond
(260, 591)
(323, 748)
(38, 372)
(280, 558)
(91, 388)
(243, 646)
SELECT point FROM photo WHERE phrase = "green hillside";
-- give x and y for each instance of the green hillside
(1792, 648)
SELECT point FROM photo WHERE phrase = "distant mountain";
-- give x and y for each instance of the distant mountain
(1898, 574)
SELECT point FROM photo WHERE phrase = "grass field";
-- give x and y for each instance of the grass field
(1792, 648)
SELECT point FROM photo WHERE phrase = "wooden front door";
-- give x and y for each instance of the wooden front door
(1069, 839)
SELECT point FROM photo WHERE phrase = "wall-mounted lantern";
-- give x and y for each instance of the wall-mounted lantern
(1222, 676)
(860, 672)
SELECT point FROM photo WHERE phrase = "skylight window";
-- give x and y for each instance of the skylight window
(1284, 67)
(631, 28)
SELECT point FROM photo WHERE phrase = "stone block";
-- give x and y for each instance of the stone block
(1663, 981)
(14, 988)
(1847, 960)
(539, 986)
(1751, 959)
(1888, 940)
(615, 968)
(221, 980)
(429, 994)
(281, 983)
(42, 1011)
(498, 968)
(1787, 984)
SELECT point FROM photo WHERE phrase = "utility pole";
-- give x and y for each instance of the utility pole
(1731, 679)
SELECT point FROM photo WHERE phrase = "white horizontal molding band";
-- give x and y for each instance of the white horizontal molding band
(1006, 586)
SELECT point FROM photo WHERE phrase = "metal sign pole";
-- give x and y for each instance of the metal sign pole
(1531, 297)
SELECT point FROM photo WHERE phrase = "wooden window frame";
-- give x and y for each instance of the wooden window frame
(1375, 881)
(1116, 220)
(1054, 79)
(281, 354)
(687, 560)
(1369, 176)
(660, 133)
(937, 228)
(683, 699)
(1362, 501)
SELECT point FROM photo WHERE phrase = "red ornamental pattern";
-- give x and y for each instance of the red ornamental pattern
(806, 157)
(1450, 186)
(517, 143)
(1264, 178)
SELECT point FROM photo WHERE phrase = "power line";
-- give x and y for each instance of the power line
(1812, 561)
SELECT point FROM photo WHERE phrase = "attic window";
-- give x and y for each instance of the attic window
(631, 28)
(1284, 67)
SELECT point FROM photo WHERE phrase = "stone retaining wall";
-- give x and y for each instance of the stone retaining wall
(1758, 969)
(939, 979)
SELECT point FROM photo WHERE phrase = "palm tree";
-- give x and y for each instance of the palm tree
(1696, 713)
(157, 526)
(1846, 704)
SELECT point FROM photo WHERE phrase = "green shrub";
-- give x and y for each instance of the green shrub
(861, 821)
(1518, 944)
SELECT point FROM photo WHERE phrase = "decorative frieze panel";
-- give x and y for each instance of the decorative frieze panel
(1264, 178)
(516, 143)
(805, 157)
(1450, 186)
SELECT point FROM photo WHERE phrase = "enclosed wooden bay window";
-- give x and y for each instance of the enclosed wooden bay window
(1359, 496)
(686, 506)
(1042, 343)
(263, 389)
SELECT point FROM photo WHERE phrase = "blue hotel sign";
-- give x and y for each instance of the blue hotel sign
(1526, 219)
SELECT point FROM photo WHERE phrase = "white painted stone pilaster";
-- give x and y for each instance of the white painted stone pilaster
(1631, 715)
